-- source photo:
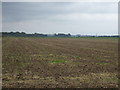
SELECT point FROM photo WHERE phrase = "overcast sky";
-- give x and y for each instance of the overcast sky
(61, 17)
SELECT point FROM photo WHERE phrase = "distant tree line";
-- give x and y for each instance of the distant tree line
(23, 34)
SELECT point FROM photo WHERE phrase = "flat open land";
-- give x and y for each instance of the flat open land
(59, 62)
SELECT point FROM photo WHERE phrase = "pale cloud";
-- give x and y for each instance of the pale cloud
(0, 17)
(68, 26)
(86, 16)
(60, 0)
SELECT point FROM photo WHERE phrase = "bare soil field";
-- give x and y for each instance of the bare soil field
(59, 62)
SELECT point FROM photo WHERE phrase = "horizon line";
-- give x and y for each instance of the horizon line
(58, 33)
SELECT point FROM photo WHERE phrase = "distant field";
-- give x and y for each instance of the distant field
(59, 62)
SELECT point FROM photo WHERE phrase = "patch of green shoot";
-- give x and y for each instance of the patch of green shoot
(57, 61)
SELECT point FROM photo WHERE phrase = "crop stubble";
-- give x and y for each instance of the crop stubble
(59, 62)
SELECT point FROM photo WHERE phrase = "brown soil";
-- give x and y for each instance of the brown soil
(59, 62)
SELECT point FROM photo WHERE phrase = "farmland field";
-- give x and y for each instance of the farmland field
(59, 62)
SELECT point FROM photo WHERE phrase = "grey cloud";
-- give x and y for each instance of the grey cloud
(15, 11)
(83, 18)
